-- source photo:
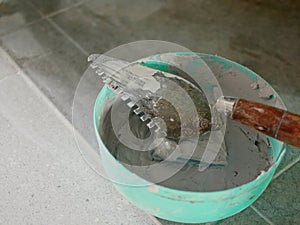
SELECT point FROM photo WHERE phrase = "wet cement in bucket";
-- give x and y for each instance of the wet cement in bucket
(248, 153)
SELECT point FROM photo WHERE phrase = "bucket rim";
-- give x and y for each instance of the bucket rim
(165, 190)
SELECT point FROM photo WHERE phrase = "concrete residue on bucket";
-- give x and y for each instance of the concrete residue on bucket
(264, 91)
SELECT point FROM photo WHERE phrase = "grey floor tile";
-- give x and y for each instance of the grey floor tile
(123, 13)
(90, 31)
(263, 38)
(57, 76)
(50, 60)
(248, 216)
(43, 175)
(281, 201)
(23, 44)
(15, 13)
(32, 41)
(100, 25)
(46, 6)
(291, 155)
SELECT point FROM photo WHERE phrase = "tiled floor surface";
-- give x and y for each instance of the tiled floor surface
(50, 41)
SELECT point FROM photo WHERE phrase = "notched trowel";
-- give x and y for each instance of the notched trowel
(180, 137)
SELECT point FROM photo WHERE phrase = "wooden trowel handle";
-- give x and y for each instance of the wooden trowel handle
(274, 122)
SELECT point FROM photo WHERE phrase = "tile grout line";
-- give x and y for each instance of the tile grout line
(286, 168)
(67, 36)
(261, 215)
(65, 9)
(60, 30)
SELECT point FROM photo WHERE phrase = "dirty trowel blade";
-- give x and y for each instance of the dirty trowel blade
(130, 82)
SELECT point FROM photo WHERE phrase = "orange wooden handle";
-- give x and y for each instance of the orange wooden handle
(274, 122)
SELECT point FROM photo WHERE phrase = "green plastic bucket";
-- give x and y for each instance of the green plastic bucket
(185, 206)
